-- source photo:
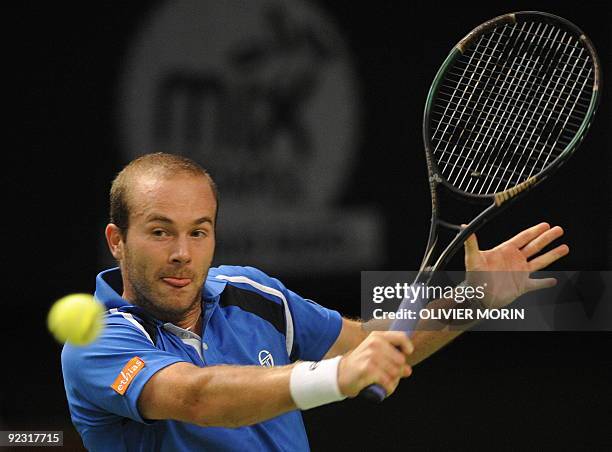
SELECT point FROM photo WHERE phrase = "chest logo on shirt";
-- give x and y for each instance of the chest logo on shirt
(127, 374)
(266, 359)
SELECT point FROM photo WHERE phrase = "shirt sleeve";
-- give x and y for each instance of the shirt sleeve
(123, 357)
(313, 327)
(316, 328)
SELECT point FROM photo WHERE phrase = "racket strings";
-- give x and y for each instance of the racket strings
(466, 84)
(492, 165)
(504, 93)
(549, 131)
(473, 119)
(571, 121)
(541, 39)
(485, 137)
(555, 131)
(509, 106)
(504, 154)
(506, 127)
(464, 164)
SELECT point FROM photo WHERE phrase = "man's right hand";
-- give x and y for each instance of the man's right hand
(380, 359)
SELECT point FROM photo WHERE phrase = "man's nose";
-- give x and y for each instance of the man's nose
(180, 252)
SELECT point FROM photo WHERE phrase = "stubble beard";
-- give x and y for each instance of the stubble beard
(146, 298)
(166, 313)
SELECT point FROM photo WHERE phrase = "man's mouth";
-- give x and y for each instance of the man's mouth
(177, 282)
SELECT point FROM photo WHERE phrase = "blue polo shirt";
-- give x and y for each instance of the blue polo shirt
(249, 319)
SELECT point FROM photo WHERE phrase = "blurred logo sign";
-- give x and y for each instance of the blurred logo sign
(263, 95)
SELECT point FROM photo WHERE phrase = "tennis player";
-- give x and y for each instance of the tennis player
(195, 357)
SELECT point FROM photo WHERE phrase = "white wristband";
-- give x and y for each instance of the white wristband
(315, 383)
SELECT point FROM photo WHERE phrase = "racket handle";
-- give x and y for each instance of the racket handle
(376, 393)
(373, 393)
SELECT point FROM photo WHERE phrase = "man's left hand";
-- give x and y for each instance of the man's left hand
(506, 268)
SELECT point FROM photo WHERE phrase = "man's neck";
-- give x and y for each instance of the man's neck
(195, 326)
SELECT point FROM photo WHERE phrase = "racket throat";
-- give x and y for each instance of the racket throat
(434, 259)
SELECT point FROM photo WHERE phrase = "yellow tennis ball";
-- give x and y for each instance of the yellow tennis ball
(77, 319)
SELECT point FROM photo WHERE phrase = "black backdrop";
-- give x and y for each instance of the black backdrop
(527, 390)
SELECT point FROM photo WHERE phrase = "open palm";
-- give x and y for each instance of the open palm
(505, 269)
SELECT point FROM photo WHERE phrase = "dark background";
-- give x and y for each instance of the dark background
(516, 390)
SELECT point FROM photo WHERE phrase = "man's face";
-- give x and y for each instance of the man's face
(169, 245)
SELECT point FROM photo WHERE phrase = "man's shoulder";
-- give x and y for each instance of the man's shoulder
(249, 279)
(120, 328)
(243, 275)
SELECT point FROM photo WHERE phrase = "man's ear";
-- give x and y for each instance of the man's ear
(114, 239)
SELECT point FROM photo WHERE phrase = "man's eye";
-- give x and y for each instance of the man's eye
(199, 233)
(159, 233)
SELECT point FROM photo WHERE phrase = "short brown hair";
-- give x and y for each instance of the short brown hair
(161, 164)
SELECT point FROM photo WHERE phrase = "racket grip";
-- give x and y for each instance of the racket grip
(376, 393)
(373, 393)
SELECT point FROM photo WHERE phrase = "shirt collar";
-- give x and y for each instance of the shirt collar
(108, 287)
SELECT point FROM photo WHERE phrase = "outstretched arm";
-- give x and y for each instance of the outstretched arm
(517, 256)
(233, 396)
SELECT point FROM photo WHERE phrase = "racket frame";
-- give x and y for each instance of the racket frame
(497, 201)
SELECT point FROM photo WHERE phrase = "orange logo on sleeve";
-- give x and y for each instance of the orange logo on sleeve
(127, 374)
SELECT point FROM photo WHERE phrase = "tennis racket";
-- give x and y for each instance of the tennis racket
(509, 105)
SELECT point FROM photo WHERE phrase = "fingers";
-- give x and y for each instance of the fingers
(395, 346)
(406, 371)
(526, 236)
(471, 245)
(548, 258)
(400, 340)
(380, 359)
(537, 284)
(389, 373)
(542, 241)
